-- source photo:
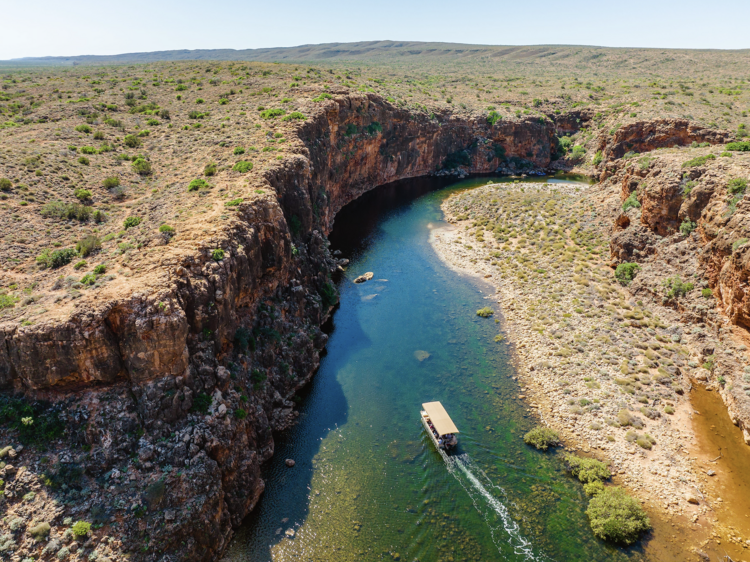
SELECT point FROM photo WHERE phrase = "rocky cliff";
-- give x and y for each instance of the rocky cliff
(685, 223)
(159, 395)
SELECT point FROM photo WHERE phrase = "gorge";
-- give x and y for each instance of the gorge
(156, 394)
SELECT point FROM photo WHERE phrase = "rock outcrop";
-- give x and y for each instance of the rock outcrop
(645, 136)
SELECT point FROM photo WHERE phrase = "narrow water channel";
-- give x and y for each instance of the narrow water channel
(368, 484)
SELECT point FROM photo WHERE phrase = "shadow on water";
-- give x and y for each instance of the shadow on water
(368, 484)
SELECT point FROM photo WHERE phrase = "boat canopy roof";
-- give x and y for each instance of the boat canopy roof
(440, 418)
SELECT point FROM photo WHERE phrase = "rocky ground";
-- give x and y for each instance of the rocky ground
(609, 367)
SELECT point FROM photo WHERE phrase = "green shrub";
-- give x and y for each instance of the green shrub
(294, 115)
(217, 254)
(197, 184)
(631, 202)
(737, 185)
(5, 184)
(40, 531)
(111, 182)
(88, 150)
(201, 403)
(625, 272)
(243, 339)
(598, 158)
(242, 166)
(130, 222)
(166, 229)
(144, 133)
(69, 211)
(88, 244)
(593, 488)
(132, 141)
(328, 295)
(674, 287)
(200, 100)
(239, 150)
(83, 160)
(82, 194)
(542, 438)
(615, 516)
(46, 423)
(322, 97)
(742, 146)
(699, 161)
(99, 216)
(88, 279)
(240, 414)
(100, 269)
(56, 258)
(80, 529)
(86, 129)
(738, 243)
(485, 312)
(493, 117)
(153, 123)
(272, 113)
(7, 301)
(668, 410)
(687, 227)
(585, 469)
(234, 202)
(707, 293)
(577, 154)
(210, 169)
(80, 265)
(645, 441)
(141, 166)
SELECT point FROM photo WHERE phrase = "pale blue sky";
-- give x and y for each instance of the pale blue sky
(58, 28)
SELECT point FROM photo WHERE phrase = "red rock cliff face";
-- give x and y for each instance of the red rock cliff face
(194, 339)
(694, 222)
(644, 136)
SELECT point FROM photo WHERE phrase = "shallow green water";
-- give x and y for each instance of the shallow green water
(368, 484)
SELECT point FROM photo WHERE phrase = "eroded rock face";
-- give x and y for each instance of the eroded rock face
(191, 367)
(691, 226)
(645, 136)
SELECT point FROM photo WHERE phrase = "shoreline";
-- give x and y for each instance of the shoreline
(665, 478)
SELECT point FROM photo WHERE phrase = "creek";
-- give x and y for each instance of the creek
(368, 483)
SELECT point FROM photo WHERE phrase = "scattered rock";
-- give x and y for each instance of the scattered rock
(421, 355)
(290, 462)
(366, 277)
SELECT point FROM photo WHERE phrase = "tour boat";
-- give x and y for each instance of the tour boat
(439, 426)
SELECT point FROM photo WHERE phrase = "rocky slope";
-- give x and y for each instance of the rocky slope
(150, 403)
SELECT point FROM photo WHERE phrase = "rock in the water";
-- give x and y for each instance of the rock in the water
(290, 463)
(289, 533)
(366, 277)
(421, 355)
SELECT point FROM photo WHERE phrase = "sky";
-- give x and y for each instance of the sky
(86, 27)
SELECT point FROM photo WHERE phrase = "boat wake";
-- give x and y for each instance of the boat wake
(505, 532)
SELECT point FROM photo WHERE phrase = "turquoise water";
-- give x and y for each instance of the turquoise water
(368, 484)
